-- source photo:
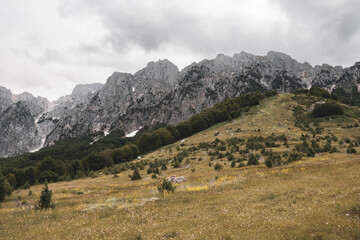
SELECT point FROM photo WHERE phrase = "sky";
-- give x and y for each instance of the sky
(49, 46)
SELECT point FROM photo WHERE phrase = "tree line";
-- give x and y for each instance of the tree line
(76, 158)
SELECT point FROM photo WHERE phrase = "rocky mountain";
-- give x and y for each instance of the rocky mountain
(26, 121)
(160, 93)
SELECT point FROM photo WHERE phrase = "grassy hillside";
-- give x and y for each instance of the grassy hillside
(309, 198)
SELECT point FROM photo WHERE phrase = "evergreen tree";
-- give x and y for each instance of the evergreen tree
(135, 175)
(45, 201)
(253, 160)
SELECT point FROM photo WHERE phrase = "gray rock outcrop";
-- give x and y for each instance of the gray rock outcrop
(158, 93)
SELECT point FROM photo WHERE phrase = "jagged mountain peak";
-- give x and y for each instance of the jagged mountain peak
(159, 93)
(274, 54)
(84, 89)
(160, 71)
(25, 96)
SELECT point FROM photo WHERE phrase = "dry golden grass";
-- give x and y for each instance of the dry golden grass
(315, 198)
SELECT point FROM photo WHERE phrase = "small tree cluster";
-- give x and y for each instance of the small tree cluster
(166, 186)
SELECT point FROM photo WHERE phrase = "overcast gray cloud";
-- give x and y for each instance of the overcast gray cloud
(47, 47)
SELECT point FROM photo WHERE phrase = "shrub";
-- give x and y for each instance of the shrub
(218, 167)
(166, 186)
(350, 149)
(163, 167)
(233, 164)
(177, 164)
(253, 160)
(310, 152)
(294, 156)
(241, 165)
(135, 175)
(273, 159)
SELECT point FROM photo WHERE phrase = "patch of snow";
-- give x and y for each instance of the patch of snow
(133, 89)
(332, 87)
(132, 134)
(106, 132)
(358, 86)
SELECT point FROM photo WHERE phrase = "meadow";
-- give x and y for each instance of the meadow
(312, 198)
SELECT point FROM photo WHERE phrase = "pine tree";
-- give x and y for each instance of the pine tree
(45, 201)
(136, 175)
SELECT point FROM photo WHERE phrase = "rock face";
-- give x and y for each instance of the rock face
(159, 93)
(26, 121)
(13, 123)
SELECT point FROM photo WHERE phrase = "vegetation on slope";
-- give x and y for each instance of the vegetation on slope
(74, 158)
(315, 197)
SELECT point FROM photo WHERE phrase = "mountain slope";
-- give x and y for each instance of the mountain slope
(159, 93)
(303, 199)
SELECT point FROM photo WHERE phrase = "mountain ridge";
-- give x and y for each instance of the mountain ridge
(160, 93)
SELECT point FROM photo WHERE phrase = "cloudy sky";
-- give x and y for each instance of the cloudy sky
(49, 46)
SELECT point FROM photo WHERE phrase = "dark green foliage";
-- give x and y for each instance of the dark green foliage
(174, 132)
(76, 169)
(135, 150)
(350, 149)
(123, 154)
(177, 164)
(253, 160)
(30, 175)
(230, 157)
(5, 188)
(294, 156)
(270, 93)
(135, 175)
(185, 129)
(273, 159)
(51, 165)
(149, 141)
(327, 109)
(241, 165)
(165, 136)
(320, 92)
(310, 152)
(315, 146)
(45, 201)
(166, 186)
(95, 161)
(26, 185)
(221, 115)
(302, 120)
(163, 167)
(48, 176)
(217, 167)
(327, 147)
